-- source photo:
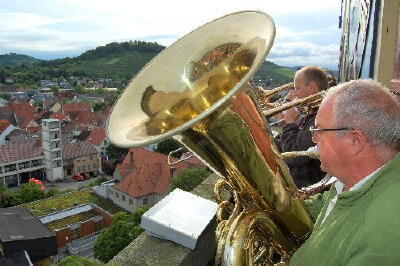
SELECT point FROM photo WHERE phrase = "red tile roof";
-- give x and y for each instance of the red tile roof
(39, 115)
(144, 172)
(58, 116)
(21, 151)
(75, 107)
(79, 149)
(34, 129)
(97, 136)
(24, 117)
(22, 106)
(84, 117)
(3, 125)
(100, 120)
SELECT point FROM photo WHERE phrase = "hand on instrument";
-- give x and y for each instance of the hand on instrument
(291, 115)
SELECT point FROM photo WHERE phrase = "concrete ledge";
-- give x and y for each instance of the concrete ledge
(147, 250)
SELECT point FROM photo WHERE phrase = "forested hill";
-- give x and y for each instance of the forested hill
(118, 61)
(13, 60)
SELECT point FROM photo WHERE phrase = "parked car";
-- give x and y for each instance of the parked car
(80, 177)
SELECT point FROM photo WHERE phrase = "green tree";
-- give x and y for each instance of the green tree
(189, 179)
(115, 154)
(168, 145)
(31, 192)
(5, 96)
(124, 229)
(4, 197)
(99, 106)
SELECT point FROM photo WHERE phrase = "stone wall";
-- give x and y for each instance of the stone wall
(147, 250)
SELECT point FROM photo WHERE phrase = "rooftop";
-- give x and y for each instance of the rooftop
(144, 172)
(79, 149)
(69, 200)
(97, 136)
(20, 151)
(19, 224)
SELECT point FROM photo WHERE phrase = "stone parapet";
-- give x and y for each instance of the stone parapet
(147, 250)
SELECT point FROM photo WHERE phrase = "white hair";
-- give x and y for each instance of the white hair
(368, 106)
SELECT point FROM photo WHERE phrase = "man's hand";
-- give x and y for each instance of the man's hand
(291, 115)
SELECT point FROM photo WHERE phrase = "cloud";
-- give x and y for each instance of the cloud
(305, 53)
(71, 27)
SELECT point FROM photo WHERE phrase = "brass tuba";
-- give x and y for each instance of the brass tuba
(197, 91)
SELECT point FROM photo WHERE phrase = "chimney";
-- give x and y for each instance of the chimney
(172, 171)
(131, 156)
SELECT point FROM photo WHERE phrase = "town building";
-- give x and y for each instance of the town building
(99, 139)
(144, 177)
(23, 232)
(19, 162)
(52, 149)
(80, 157)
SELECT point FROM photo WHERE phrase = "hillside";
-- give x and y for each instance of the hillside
(13, 60)
(119, 62)
(273, 75)
(115, 60)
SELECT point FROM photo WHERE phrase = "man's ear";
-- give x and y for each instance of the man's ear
(313, 87)
(358, 141)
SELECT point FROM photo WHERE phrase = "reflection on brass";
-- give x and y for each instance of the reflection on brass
(213, 85)
(212, 111)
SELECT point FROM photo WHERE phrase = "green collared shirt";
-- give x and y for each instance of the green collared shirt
(362, 228)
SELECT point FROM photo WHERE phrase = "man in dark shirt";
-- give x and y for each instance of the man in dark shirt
(296, 135)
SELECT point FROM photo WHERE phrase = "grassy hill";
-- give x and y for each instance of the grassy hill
(273, 75)
(13, 60)
(118, 61)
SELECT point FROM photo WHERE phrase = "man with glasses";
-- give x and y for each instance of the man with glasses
(357, 132)
(295, 134)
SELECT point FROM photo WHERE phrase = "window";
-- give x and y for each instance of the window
(57, 163)
(10, 167)
(98, 225)
(123, 197)
(36, 162)
(130, 201)
(117, 195)
(145, 201)
(11, 181)
(76, 233)
(24, 165)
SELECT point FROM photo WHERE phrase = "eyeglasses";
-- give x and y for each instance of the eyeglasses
(315, 130)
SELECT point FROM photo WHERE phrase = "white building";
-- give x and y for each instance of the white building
(52, 149)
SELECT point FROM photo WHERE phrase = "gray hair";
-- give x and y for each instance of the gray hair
(370, 107)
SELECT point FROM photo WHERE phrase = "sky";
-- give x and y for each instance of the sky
(307, 31)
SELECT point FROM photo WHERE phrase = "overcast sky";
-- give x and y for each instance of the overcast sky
(307, 30)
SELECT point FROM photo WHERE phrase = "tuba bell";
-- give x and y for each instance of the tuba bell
(198, 92)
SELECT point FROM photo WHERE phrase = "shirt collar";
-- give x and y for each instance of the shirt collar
(340, 185)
